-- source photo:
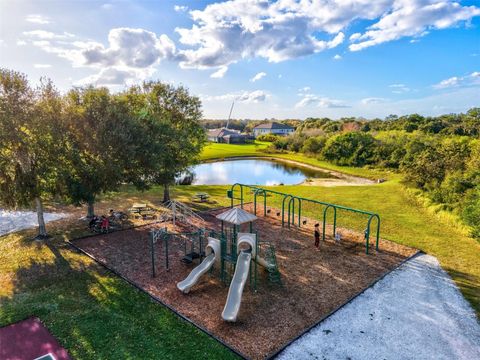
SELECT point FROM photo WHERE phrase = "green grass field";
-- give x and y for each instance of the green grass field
(98, 316)
(219, 151)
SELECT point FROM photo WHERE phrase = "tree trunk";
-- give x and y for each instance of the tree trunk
(90, 209)
(42, 230)
(166, 193)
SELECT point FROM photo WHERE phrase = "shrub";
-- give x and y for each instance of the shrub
(350, 149)
(314, 145)
(267, 137)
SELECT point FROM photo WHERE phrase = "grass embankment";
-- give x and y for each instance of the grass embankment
(98, 316)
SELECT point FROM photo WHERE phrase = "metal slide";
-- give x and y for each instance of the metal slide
(192, 278)
(234, 298)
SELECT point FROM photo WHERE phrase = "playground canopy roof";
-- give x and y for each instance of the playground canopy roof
(236, 216)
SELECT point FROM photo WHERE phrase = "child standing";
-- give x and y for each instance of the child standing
(317, 235)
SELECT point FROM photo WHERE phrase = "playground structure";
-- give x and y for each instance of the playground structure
(293, 208)
(234, 250)
(314, 282)
(175, 211)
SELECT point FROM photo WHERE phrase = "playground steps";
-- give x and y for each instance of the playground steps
(273, 272)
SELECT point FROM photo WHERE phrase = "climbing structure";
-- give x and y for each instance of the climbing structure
(176, 211)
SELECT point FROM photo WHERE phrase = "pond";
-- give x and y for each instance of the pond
(252, 172)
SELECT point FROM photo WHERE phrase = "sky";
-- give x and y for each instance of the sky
(276, 59)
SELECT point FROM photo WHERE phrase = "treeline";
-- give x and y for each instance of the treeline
(89, 141)
(439, 155)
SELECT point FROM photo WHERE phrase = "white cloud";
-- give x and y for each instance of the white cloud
(21, 43)
(47, 35)
(180, 8)
(373, 100)
(37, 19)
(304, 89)
(136, 48)
(130, 53)
(224, 33)
(413, 18)
(256, 96)
(337, 57)
(320, 101)
(399, 88)
(258, 76)
(457, 81)
(220, 73)
(42, 66)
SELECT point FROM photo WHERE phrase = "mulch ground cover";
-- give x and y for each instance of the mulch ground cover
(315, 282)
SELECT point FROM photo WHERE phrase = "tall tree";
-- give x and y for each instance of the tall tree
(31, 143)
(175, 115)
(102, 141)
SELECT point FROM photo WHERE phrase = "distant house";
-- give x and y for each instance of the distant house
(225, 136)
(273, 128)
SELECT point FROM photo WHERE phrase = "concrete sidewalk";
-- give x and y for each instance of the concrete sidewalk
(416, 312)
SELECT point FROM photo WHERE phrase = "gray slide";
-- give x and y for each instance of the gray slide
(234, 298)
(192, 278)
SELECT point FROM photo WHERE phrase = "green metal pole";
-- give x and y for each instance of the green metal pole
(264, 203)
(334, 221)
(241, 196)
(378, 232)
(255, 203)
(367, 238)
(255, 263)
(299, 212)
(324, 222)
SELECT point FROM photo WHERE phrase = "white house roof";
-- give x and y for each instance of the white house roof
(236, 216)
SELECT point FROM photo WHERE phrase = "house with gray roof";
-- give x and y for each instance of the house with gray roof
(273, 128)
(223, 135)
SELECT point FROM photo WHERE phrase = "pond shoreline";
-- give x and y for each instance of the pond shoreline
(343, 179)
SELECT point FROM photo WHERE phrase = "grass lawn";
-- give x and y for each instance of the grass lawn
(94, 314)
(219, 151)
(98, 316)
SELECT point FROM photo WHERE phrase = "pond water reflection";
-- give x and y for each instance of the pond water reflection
(252, 171)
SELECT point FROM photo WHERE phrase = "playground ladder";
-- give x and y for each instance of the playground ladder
(273, 273)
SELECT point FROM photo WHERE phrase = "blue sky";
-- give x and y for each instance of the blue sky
(282, 59)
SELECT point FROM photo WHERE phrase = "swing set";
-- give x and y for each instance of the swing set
(291, 209)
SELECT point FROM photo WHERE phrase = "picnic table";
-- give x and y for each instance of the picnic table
(201, 196)
(142, 210)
